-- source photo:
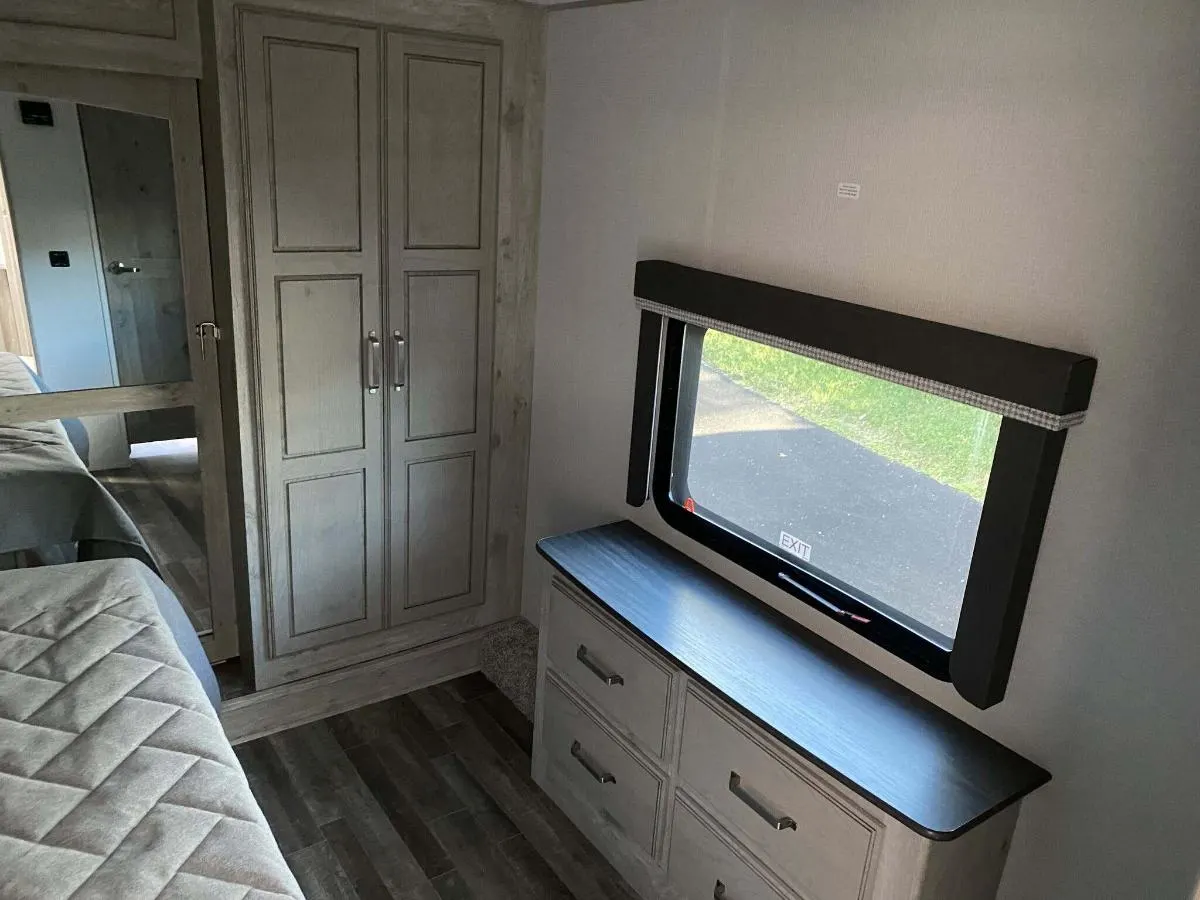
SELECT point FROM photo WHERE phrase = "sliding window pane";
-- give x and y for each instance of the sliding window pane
(877, 486)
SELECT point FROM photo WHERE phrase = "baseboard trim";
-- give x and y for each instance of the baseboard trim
(300, 702)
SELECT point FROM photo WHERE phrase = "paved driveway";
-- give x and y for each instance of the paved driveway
(889, 530)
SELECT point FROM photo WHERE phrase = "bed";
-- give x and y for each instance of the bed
(116, 779)
(49, 497)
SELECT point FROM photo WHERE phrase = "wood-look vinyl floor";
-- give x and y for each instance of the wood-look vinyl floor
(422, 797)
(161, 492)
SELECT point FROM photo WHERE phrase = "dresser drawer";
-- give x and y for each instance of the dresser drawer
(610, 668)
(597, 768)
(704, 865)
(811, 839)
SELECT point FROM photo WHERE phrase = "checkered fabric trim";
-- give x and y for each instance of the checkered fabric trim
(1009, 410)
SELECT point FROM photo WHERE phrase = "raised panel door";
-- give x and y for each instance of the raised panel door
(442, 102)
(312, 128)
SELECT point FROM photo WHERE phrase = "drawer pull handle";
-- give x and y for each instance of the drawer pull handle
(609, 678)
(592, 769)
(779, 823)
(719, 890)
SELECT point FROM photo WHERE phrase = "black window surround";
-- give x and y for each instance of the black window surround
(1036, 380)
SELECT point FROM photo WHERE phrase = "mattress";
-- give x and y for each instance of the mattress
(116, 779)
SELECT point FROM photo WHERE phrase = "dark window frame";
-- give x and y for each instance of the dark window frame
(979, 658)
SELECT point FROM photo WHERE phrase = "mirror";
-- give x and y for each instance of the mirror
(92, 294)
(161, 491)
(110, 433)
(78, 489)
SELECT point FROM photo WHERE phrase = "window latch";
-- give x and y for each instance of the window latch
(832, 607)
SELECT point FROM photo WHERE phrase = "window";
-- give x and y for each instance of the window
(873, 487)
(892, 473)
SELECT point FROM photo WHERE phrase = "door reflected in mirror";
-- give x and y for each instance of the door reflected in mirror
(92, 294)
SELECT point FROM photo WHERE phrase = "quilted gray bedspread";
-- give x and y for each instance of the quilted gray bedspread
(116, 779)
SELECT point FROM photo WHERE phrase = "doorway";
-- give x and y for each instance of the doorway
(128, 159)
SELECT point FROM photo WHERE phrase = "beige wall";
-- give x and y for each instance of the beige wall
(1028, 168)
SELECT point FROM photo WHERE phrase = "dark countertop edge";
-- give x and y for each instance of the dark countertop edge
(923, 830)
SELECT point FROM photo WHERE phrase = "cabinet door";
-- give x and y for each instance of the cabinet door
(312, 120)
(441, 154)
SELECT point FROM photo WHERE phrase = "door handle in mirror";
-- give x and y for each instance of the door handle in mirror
(204, 331)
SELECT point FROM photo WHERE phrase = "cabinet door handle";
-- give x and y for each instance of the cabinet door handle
(779, 823)
(204, 331)
(609, 678)
(374, 362)
(399, 360)
(592, 769)
(719, 890)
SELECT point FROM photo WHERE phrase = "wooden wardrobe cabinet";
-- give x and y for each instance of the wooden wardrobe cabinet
(371, 172)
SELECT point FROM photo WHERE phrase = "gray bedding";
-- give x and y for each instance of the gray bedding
(186, 639)
(116, 779)
(48, 498)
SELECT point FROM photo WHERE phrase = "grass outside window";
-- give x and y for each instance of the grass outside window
(950, 442)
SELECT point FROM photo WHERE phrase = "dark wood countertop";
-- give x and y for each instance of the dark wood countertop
(930, 770)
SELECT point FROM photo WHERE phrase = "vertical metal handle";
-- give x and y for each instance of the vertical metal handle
(374, 362)
(609, 678)
(719, 890)
(204, 331)
(399, 360)
(779, 823)
(592, 769)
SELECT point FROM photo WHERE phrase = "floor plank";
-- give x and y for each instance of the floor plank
(439, 706)
(412, 829)
(368, 885)
(288, 816)
(423, 797)
(320, 874)
(477, 856)
(537, 880)
(161, 491)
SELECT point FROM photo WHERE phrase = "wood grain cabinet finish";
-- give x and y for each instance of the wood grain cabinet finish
(373, 321)
(631, 685)
(443, 108)
(706, 862)
(594, 765)
(154, 37)
(312, 99)
(742, 817)
(821, 843)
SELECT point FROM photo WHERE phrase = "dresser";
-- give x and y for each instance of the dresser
(712, 749)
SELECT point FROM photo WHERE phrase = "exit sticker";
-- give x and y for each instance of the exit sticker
(795, 546)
